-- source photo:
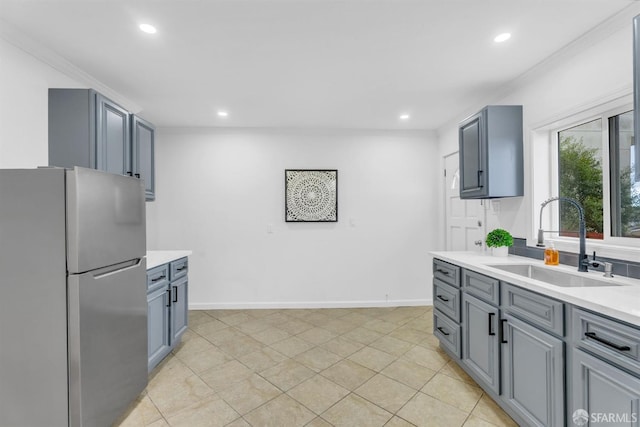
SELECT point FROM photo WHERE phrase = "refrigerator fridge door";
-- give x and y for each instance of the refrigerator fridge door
(107, 342)
(33, 306)
(105, 219)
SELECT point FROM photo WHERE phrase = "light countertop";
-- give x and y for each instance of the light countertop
(619, 302)
(156, 258)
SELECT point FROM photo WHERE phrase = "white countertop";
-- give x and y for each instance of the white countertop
(156, 258)
(619, 302)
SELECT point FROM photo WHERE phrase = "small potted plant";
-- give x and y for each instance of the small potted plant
(499, 241)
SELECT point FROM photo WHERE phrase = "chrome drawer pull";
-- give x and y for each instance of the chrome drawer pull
(593, 336)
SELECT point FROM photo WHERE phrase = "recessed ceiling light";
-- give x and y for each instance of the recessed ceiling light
(147, 28)
(502, 37)
(222, 114)
(405, 117)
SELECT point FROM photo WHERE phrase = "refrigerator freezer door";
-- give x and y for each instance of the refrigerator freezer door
(105, 219)
(107, 342)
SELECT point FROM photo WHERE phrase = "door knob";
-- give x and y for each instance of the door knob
(478, 243)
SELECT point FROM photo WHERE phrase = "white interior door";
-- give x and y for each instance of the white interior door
(464, 219)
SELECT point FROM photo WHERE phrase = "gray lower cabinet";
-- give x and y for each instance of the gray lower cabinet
(179, 308)
(159, 339)
(167, 308)
(544, 361)
(605, 377)
(602, 390)
(480, 340)
(532, 372)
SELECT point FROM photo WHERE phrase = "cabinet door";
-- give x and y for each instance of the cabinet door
(158, 306)
(532, 373)
(472, 152)
(603, 390)
(143, 140)
(480, 344)
(112, 137)
(179, 308)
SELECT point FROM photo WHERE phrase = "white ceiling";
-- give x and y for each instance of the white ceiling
(303, 63)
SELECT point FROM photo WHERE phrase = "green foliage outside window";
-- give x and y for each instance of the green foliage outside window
(581, 179)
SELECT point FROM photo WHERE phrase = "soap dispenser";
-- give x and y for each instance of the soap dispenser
(551, 256)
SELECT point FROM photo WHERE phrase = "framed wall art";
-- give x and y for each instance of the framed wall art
(311, 195)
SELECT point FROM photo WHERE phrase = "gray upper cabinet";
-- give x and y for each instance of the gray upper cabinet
(89, 130)
(491, 156)
(142, 143)
(86, 129)
(113, 140)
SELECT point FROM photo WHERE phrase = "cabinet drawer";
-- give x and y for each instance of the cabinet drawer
(179, 268)
(157, 277)
(447, 332)
(446, 272)
(616, 342)
(544, 312)
(446, 298)
(483, 287)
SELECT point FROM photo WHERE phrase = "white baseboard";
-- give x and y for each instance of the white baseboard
(309, 304)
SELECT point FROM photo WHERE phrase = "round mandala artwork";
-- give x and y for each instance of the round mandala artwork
(311, 195)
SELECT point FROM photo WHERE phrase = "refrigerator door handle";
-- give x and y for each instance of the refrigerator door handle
(117, 268)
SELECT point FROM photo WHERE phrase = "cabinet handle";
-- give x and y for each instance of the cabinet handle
(175, 294)
(169, 303)
(440, 297)
(593, 336)
(181, 268)
(129, 173)
(137, 175)
(480, 185)
(502, 322)
(491, 331)
(445, 272)
(158, 278)
(443, 331)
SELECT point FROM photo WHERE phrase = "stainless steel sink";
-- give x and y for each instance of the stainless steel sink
(554, 277)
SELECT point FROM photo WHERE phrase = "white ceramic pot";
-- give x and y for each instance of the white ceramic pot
(501, 251)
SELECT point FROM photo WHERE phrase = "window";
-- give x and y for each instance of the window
(597, 167)
(580, 177)
(625, 177)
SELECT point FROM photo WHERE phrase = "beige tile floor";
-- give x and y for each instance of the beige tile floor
(318, 367)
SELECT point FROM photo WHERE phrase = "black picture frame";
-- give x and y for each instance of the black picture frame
(311, 195)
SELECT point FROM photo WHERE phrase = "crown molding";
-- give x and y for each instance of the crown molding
(37, 50)
(604, 29)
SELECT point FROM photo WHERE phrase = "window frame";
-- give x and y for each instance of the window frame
(544, 187)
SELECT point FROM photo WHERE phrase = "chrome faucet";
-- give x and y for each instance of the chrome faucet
(583, 261)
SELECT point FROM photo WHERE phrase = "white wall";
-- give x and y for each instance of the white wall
(218, 191)
(24, 84)
(586, 75)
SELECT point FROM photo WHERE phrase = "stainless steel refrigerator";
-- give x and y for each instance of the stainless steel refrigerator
(73, 309)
